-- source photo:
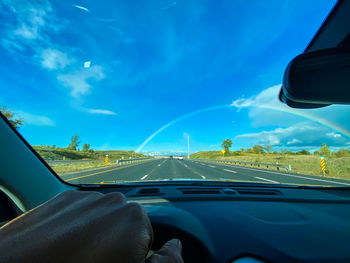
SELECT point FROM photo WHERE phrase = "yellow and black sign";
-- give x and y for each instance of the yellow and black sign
(323, 164)
(106, 159)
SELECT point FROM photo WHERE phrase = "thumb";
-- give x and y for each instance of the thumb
(169, 253)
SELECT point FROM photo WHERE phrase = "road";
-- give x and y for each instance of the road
(161, 169)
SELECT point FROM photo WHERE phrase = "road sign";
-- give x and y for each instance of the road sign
(106, 159)
(323, 165)
(223, 151)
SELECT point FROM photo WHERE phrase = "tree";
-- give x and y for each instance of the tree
(74, 143)
(258, 149)
(303, 152)
(85, 147)
(325, 150)
(242, 150)
(15, 122)
(342, 153)
(249, 150)
(268, 148)
(226, 144)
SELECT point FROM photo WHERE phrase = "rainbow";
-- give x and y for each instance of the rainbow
(285, 109)
(308, 116)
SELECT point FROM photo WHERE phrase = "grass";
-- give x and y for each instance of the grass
(53, 153)
(75, 167)
(337, 167)
(96, 157)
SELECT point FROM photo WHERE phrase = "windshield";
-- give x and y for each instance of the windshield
(136, 91)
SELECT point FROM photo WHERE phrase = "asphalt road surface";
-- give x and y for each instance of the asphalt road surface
(162, 169)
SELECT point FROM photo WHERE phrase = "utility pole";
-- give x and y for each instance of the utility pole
(188, 147)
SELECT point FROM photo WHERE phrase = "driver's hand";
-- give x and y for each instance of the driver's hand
(169, 253)
(78, 226)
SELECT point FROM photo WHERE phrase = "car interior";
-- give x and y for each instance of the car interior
(216, 221)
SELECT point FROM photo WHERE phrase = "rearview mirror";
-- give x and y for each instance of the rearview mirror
(317, 79)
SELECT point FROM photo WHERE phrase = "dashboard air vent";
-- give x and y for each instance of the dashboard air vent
(148, 192)
(259, 192)
(200, 191)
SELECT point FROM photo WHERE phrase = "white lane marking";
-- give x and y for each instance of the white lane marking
(203, 177)
(185, 165)
(297, 176)
(142, 178)
(230, 171)
(333, 182)
(211, 166)
(271, 181)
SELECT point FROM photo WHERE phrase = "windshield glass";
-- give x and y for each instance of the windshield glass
(135, 91)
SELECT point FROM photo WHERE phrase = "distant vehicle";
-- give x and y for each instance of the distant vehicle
(180, 158)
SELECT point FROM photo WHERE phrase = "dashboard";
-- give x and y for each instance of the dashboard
(240, 224)
(230, 223)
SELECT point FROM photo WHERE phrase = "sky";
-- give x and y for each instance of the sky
(146, 75)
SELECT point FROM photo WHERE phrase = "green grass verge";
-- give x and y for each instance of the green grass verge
(96, 157)
(51, 153)
(75, 167)
(337, 167)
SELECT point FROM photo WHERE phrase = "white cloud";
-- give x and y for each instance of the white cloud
(31, 31)
(301, 134)
(265, 109)
(82, 8)
(79, 80)
(297, 127)
(26, 32)
(33, 18)
(334, 135)
(54, 59)
(268, 96)
(101, 111)
(294, 141)
(36, 23)
(32, 119)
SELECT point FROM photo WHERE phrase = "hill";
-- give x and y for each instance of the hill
(53, 153)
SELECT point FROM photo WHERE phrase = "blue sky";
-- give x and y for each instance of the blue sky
(150, 63)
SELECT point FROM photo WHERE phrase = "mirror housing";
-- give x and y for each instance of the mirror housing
(317, 79)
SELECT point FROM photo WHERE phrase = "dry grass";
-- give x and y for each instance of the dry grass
(74, 167)
(337, 167)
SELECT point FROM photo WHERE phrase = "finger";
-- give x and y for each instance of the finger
(138, 213)
(173, 246)
(169, 253)
(116, 196)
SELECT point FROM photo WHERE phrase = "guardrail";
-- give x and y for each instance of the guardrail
(118, 162)
(50, 161)
(129, 161)
(287, 167)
